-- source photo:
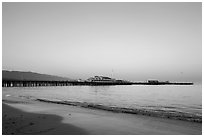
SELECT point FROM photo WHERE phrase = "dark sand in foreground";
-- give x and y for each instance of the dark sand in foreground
(18, 122)
(32, 117)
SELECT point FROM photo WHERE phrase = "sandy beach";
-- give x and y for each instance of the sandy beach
(29, 117)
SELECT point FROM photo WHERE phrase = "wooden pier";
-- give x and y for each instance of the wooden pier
(27, 83)
(18, 83)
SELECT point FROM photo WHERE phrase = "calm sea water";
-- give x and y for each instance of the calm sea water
(178, 98)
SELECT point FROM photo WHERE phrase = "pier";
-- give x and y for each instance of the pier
(18, 83)
(28, 83)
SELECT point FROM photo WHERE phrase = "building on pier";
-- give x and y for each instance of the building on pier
(100, 79)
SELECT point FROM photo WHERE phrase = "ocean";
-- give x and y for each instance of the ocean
(183, 102)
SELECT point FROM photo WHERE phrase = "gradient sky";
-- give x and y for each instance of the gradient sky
(132, 41)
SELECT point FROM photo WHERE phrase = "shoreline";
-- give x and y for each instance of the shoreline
(152, 113)
(60, 118)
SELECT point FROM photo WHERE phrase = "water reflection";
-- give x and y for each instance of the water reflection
(97, 89)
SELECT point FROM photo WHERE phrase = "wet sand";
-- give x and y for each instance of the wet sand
(21, 117)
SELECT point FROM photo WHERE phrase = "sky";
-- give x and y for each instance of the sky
(130, 41)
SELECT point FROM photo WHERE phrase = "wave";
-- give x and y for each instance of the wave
(171, 114)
